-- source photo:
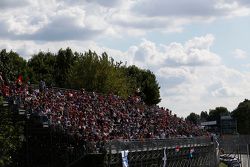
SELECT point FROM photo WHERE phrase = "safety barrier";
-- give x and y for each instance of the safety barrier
(236, 146)
(168, 152)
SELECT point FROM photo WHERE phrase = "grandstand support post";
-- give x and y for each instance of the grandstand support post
(67, 148)
(248, 155)
(109, 155)
(51, 149)
(237, 151)
(27, 141)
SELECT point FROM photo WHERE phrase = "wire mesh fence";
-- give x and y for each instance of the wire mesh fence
(236, 147)
(151, 152)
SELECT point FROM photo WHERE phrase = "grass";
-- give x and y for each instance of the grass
(222, 165)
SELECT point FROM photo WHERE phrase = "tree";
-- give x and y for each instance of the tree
(89, 71)
(215, 114)
(41, 67)
(63, 62)
(83, 73)
(194, 118)
(145, 81)
(204, 116)
(242, 115)
(11, 64)
(98, 73)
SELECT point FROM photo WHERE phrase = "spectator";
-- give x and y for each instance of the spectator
(42, 86)
(96, 117)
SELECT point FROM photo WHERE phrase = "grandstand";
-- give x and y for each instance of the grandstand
(76, 122)
(97, 117)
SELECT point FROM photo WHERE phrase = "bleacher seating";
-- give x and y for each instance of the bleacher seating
(94, 117)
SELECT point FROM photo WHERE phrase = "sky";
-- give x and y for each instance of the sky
(199, 50)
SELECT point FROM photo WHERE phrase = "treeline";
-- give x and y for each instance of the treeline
(90, 71)
(241, 114)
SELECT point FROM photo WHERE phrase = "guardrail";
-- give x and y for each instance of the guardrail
(119, 145)
(187, 152)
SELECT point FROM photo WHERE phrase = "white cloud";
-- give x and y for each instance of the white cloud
(191, 8)
(85, 19)
(239, 54)
(27, 48)
(224, 92)
(51, 22)
(244, 2)
(195, 52)
(203, 88)
(204, 42)
(6, 4)
(176, 8)
(171, 16)
(191, 76)
(247, 65)
(109, 3)
(67, 24)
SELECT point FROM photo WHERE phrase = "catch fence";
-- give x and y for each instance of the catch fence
(176, 152)
(236, 146)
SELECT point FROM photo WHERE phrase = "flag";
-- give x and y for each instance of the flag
(19, 79)
(124, 158)
(191, 152)
(177, 148)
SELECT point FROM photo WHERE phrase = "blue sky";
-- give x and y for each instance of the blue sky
(199, 50)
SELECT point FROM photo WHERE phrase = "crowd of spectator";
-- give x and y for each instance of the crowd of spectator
(98, 117)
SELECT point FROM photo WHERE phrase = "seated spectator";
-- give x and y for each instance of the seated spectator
(96, 117)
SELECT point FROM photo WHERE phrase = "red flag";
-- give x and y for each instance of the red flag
(177, 148)
(20, 79)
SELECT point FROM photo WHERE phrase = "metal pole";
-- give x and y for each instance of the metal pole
(248, 153)
(51, 149)
(27, 139)
(238, 153)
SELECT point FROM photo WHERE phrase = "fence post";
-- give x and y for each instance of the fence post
(217, 153)
(248, 155)
(109, 154)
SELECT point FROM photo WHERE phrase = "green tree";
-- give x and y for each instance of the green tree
(194, 118)
(146, 82)
(215, 114)
(63, 62)
(204, 116)
(88, 70)
(242, 115)
(11, 64)
(98, 73)
(83, 72)
(41, 67)
(111, 77)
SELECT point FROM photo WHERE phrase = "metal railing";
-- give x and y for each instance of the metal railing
(119, 145)
(151, 153)
(235, 146)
